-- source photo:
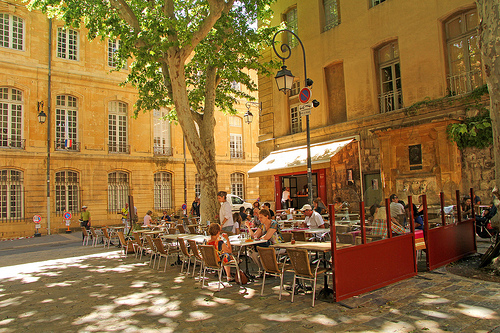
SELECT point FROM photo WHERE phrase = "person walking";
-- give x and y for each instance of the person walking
(85, 219)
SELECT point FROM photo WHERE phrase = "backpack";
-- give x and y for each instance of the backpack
(244, 278)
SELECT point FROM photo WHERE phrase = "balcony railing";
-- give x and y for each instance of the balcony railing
(163, 151)
(6, 142)
(237, 154)
(464, 82)
(391, 101)
(119, 148)
(67, 146)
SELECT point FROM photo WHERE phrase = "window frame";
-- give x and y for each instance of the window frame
(237, 180)
(68, 114)
(290, 18)
(295, 119)
(162, 137)
(118, 127)
(11, 118)
(11, 27)
(63, 48)
(163, 191)
(11, 209)
(236, 146)
(67, 191)
(390, 99)
(331, 18)
(118, 190)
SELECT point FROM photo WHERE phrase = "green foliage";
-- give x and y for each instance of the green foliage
(473, 132)
(148, 36)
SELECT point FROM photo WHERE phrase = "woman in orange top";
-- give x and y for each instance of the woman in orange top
(223, 249)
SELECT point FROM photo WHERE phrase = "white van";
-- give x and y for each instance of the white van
(237, 202)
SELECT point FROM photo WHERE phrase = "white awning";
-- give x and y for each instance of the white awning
(295, 159)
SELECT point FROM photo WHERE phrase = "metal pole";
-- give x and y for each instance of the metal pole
(48, 126)
(185, 176)
(309, 171)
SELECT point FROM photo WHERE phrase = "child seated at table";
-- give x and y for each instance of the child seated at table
(223, 249)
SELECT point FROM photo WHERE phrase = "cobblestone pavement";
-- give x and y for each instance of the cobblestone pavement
(74, 288)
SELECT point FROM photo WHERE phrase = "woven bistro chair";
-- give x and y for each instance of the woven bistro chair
(287, 236)
(138, 243)
(124, 244)
(95, 236)
(181, 228)
(162, 252)
(152, 249)
(299, 235)
(271, 266)
(196, 255)
(185, 255)
(86, 236)
(172, 231)
(211, 260)
(106, 238)
(303, 269)
(192, 229)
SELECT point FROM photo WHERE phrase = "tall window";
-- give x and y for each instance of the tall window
(162, 144)
(331, 12)
(118, 191)
(66, 123)
(197, 185)
(464, 57)
(67, 44)
(11, 31)
(391, 96)
(163, 191)
(117, 128)
(11, 194)
(113, 46)
(291, 24)
(235, 121)
(11, 118)
(67, 186)
(237, 184)
(236, 145)
(295, 119)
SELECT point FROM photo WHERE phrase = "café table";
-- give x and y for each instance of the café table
(243, 243)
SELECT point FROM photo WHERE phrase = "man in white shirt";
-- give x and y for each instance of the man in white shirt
(225, 212)
(285, 198)
(313, 219)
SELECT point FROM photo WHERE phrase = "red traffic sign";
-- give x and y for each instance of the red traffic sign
(67, 216)
(305, 95)
(184, 206)
(37, 218)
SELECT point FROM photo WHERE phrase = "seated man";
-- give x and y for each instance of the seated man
(313, 218)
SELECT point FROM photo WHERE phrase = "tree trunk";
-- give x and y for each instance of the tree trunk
(489, 40)
(203, 158)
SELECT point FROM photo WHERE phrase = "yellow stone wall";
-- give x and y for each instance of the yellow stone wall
(342, 63)
(90, 81)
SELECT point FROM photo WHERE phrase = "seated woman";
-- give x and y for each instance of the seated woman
(223, 250)
(466, 207)
(337, 204)
(379, 224)
(237, 223)
(268, 230)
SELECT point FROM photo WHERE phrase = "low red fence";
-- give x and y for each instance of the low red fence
(449, 242)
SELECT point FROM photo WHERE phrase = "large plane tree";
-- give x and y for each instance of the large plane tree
(186, 54)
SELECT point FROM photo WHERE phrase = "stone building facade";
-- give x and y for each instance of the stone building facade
(99, 153)
(372, 63)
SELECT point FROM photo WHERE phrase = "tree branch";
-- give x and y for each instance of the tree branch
(126, 13)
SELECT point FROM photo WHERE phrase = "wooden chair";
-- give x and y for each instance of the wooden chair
(192, 229)
(186, 256)
(162, 252)
(138, 243)
(86, 236)
(181, 228)
(152, 249)
(302, 268)
(124, 244)
(212, 261)
(345, 238)
(95, 236)
(287, 236)
(271, 266)
(196, 255)
(106, 238)
(172, 231)
(299, 235)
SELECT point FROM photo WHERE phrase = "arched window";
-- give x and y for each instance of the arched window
(391, 94)
(11, 194)
(11, 118)
(197, 185)
(11, 31)
(118, 190)
(163, 191)
(67, 123)
(464, 56)
(67, 192)
(238, 184)
(117, 128)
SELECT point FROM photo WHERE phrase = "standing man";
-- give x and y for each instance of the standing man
(125, 217)
(313, 218)
(85, 218)
(285, 198)
(225, 213)
(195, 207)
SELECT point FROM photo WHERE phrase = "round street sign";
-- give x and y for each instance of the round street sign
(67, 216)
(184, 206)
(305, 95)
(37, 218)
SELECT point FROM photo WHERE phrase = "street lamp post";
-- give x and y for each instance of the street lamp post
(284, 80)
(41, 119)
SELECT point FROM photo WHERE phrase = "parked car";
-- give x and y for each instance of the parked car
(237, 202)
